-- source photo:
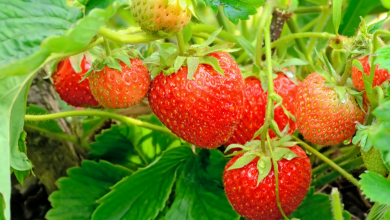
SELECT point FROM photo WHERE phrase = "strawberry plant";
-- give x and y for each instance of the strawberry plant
(196, 109)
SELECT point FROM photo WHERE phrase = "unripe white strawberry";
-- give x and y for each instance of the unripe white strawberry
(156, 15)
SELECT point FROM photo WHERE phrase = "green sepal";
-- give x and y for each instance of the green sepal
(168, 55)
(75, 62)
(264, 166)
(123, 54)
(258, 132)
(235, 146)
(358, 65)
(364, 136)
(323, 73)
(179, 63)
(193, 63)
(274, 126)
(243, 160)
(284, 153)
(341, 91)
(358, 97)
(281, 141)
(288, 113)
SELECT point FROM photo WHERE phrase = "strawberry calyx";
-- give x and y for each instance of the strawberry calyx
(168, 59)
(332, 79)
(124, 54)
(252, 150)
(364, 135)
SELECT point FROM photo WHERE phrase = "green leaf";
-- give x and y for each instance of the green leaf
(21, 57)
(379, 212)
(243, 160)
(197, 196)
(337, 6)
(117, 146)
(318, 202)
(375, 187)
(236, 10)
(23, 37)
(382, 111)
(381, 138)
(376, 26)
(264, 166)
(353, 12)
(132, 146)
(294, 62)
(146, 191)
(78, 193)
(248, 47)
(386, 158)
(187, 33)
(21, 174)
(193, 63)
(89, 125)
(383, 58)
(2, 207)
(91, 4)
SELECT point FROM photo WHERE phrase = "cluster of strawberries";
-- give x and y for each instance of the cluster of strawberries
(211, 109)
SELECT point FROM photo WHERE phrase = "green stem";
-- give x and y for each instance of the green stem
(259, 44)
(90, 46)
(54, 134)
(275, 163)
(347, 166)
(380, 93)
(271, 90)
(318, 170)
(124, 119)
(332, 164)
(107, 47)
(129, 39)
(222, 21)
(336, 205)
(201, 28)
(346, 74)
(180, 42)
(295, 36)
(310, 10)
(244, 29)
(319, 27)
(206, 36)
(370, 95)
(301, 45)
(310, 25)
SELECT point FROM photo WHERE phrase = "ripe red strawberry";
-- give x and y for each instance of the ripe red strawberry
(255, 108)
(203, 111)
(156, 15)
(120, 89)
(321, 116)
(66, 84)
(380, 75)
(259, 202)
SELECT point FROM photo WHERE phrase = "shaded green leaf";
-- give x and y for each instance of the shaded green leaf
(318, 202)
(337, 6)
(375, 187)
(146, 191)
(383, 58)
(78, 194)
(248, 47)
(353, 12)
(197, 196)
